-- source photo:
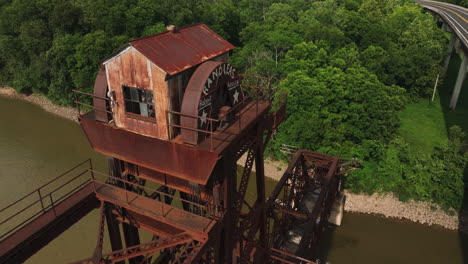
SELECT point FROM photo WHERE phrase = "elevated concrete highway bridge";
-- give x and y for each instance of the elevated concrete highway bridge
(455, 20)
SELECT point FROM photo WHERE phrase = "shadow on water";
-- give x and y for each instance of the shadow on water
(326, 244)
(458, 117)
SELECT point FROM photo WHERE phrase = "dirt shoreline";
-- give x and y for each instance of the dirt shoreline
(40, 100)
(386, 205)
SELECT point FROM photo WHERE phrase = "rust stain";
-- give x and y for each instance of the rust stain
(183, 49)
(131, 69)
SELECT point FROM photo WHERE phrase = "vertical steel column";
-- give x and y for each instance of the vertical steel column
(185, 205)
(230, 185)
(132, 238)
(113, 229)
(112, 223)
(260, 180)
(131, 235)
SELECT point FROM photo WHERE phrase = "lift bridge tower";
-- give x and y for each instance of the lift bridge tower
(169, 110)
(174, 119)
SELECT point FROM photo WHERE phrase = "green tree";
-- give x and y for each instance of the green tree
(346, 101)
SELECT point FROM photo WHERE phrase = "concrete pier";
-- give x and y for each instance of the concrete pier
(459, 83)
(450, 49)
(336, 215)
(444, 26)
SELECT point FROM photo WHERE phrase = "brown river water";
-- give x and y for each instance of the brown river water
(36, 146)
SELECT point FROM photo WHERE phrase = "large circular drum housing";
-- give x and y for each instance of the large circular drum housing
(213, 87)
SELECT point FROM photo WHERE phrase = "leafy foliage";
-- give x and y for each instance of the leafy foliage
(349, 66)
(51, 47)
(335, 94)
(433, 177)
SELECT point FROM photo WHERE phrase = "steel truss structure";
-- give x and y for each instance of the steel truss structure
(212, 222)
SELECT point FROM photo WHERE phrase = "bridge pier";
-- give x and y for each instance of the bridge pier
(450, 49)
(444, 26)
(459, 83)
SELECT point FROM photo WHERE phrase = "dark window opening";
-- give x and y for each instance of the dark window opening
(139, 101)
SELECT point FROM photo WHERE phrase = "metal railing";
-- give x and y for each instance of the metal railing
(204, 209)
(43, 200)
(214, 124)
(256, 90)
(79, 103)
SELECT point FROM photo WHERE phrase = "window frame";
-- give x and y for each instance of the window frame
(151, 119)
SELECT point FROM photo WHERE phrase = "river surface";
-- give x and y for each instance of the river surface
(36, 146)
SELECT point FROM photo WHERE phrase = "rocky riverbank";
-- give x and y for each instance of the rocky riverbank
(389, 206)
(40, 100)
(386, 205)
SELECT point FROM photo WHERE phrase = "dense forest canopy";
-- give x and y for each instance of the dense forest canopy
(463, 3)
(350, 67)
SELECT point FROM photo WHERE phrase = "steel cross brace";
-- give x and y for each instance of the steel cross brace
(138, 250)
(243, 184)
(98, 251)
(189, 252)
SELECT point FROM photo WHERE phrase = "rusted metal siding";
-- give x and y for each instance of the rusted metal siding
(170, 181)
(182, 161)
(100, 90)
(132, 69)
(161, 99)
(182, 49)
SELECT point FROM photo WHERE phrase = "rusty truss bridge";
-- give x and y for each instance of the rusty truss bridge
(296, 214)
(174, 119)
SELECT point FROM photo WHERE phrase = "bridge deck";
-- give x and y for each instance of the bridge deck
(455, 16)
(195, 225)
(33, 236)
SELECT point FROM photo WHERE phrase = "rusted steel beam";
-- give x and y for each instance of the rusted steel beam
(316, 212)
(306, 172)
(98, 251)
(282, 182)
(229, 170)
(249, 227)
(188, 252)
(202, 206)
(284, 209)
(151, 225)
(283, 254)
(32, 237)
(243, 185)
(113, 230)
(261, 196)
(139, 250)
(196, 225)
(132, 238)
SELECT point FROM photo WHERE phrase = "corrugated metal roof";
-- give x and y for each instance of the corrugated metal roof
(188, 46)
